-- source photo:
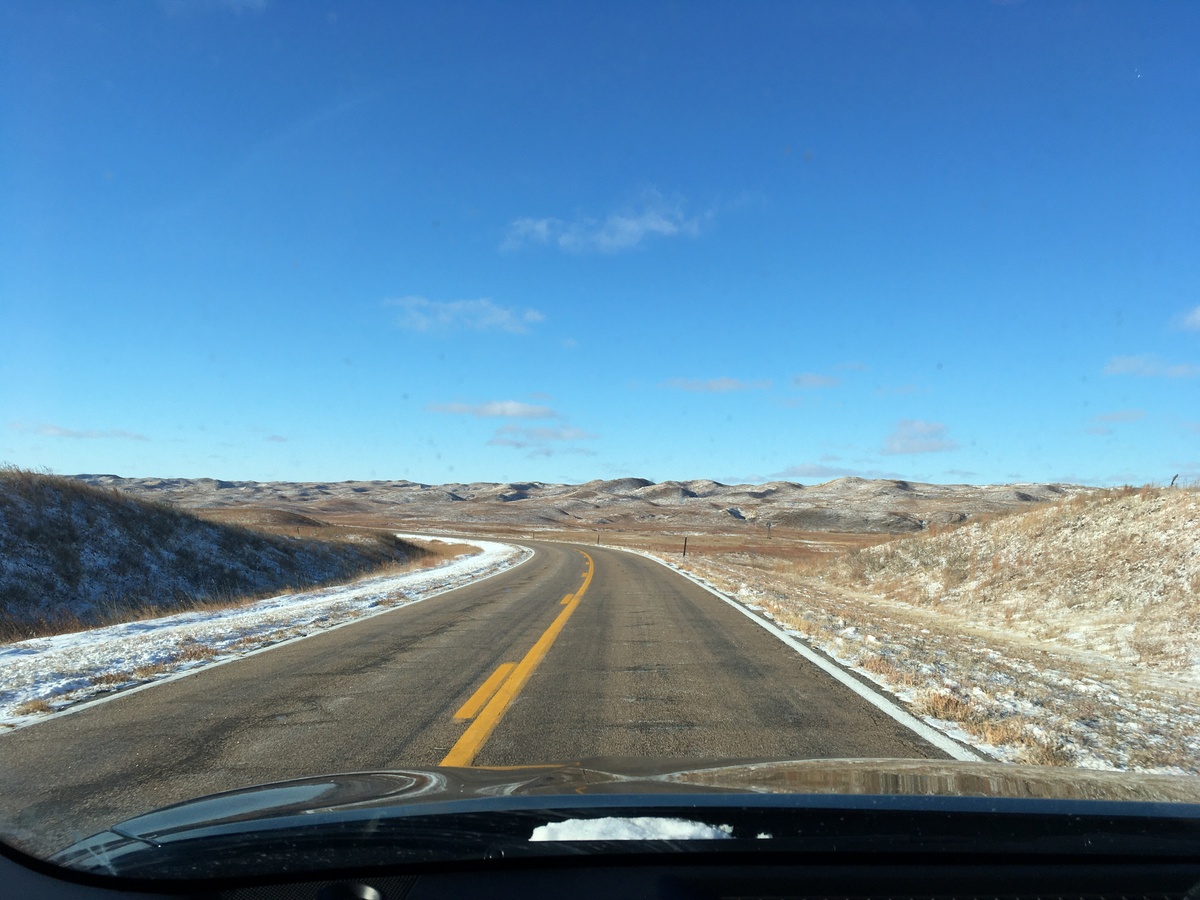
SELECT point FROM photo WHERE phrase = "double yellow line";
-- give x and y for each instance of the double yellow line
(488, 704)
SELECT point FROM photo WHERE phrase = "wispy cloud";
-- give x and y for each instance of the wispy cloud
(1149, 366)
(715, 385)
(962, 473)
(1100, 423)
(812, 470)
(275, 439)
(520, 436)
(917, 436)
(1121, 415)
(496, 409)
(57, 431)
(423, 314)
(543, 441)
(897, 390)
(1191, 320)
(811, 380)
(652, 216)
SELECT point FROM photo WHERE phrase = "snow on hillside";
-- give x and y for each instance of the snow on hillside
(44, 675)
(1116, 573)
(1064, 635)
(73, 555)
(844, 504)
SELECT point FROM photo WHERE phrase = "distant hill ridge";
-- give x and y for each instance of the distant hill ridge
(74, 554)
(844, 504)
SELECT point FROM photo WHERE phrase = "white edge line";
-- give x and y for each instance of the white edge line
(525, 555)
(940, 740)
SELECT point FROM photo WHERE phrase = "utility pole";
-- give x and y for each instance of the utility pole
(768, 531)
(685, 546)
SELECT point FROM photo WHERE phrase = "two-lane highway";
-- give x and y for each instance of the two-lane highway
(652, 665)
(580, 652)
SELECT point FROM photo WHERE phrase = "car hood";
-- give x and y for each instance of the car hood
(439, 813)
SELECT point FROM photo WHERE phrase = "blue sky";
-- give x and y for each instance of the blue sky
(950, 241)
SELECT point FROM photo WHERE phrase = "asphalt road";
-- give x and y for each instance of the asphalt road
(580, 652)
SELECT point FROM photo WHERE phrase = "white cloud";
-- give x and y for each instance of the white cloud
(653, 216)
(275, 439)
(511, 409)
(56, 431)
(715, 385)
(1191, 320)
(1149, 366)
(814, 380)
(917, 436)
(422, 314)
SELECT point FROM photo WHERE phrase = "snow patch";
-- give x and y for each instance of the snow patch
(637, 828)
(64, 670)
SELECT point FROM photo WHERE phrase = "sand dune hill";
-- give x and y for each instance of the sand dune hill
(846, 504)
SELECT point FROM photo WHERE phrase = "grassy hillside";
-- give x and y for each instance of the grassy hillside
(1117, 573)
(73, 555)
(1067, 634)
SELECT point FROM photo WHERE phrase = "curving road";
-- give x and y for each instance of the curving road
(580, 652)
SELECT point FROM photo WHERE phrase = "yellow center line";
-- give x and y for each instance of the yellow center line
(567, 599)
(468, 746)
(472, 707)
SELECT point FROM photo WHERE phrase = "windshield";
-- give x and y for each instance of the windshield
(773, 398)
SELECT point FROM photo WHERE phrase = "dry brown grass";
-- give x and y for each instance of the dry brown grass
(150, 670)
(111, 678)
(193, 651)
(892, 673)
(1047, 753)
(118, 612)
(1114, 571)
(222, 559)
(997, 732)
(983, 723)
(947, 706)
(1032, 700)
(32, 707)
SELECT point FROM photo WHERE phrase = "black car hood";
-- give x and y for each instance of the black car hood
(441, 813)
